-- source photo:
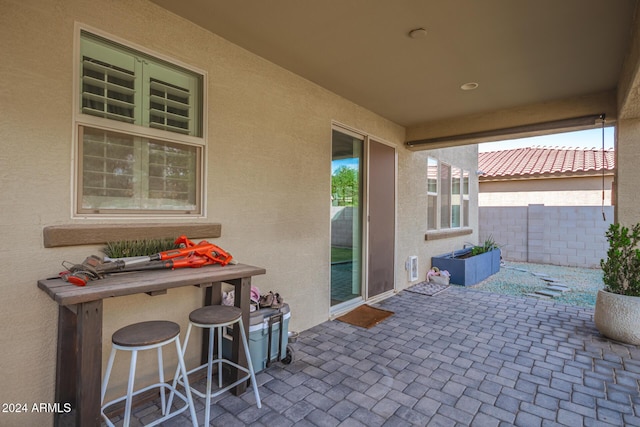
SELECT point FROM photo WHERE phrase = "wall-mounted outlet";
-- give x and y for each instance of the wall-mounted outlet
(412, 267)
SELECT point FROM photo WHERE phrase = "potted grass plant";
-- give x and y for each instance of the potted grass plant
(617, 311)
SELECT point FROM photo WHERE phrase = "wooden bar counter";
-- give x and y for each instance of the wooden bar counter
(79, 348)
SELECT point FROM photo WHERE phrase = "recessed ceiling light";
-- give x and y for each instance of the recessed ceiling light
(469, 86)
(418, 33)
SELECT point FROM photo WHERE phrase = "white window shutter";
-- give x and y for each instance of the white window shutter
(108, 82)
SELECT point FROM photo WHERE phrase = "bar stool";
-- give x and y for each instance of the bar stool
(147, 336)
(217, 317)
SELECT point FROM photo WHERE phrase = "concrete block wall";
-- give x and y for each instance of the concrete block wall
(342, 226)
(572, 236)
(508, 227)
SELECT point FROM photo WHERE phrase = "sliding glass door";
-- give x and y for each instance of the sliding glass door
(346, 216)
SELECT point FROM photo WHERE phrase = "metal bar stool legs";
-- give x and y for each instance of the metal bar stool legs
(148, 336)
(216, 318)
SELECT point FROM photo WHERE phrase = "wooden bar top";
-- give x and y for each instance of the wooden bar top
(146, 281)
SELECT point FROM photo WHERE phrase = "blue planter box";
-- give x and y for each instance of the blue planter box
(468, 271)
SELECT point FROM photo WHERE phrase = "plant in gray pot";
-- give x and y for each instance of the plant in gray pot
(470, 266)
(617, 312)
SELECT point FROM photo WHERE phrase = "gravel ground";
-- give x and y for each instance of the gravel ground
(523, 279)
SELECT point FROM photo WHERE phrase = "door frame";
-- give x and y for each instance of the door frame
(341, 308)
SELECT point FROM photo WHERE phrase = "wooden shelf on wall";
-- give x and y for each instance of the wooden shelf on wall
(446, 234)
(92, 234)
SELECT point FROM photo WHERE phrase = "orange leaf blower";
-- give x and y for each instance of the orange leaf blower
(188, 255)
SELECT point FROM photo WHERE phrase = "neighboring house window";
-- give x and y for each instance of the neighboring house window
(447, 196)
(140, 132)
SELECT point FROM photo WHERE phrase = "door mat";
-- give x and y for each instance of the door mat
(365, 316)
(427, 288)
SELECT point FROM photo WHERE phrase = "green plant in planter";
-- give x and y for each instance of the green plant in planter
(621, 269)
(487, 246)
(133, 248)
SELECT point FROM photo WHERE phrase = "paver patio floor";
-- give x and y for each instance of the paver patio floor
(460, 358)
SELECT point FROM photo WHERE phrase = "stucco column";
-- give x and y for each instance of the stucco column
(627, 196)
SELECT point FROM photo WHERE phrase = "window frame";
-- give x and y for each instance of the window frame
(432, 163)
(445, 170)
(145, 132)
(444, 221)
(456, 197)
(466, 175)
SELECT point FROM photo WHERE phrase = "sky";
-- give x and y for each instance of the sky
(336, 164)
(591, 138)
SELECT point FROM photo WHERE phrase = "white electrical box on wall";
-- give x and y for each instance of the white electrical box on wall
(412, 267)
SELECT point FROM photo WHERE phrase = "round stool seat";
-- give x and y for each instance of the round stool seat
(215, 314)
(145, 333)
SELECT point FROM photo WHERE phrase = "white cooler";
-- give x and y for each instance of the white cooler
(263, 321)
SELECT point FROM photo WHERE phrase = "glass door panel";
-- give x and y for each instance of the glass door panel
(346, 217)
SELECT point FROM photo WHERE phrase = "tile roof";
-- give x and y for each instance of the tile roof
(545, 161)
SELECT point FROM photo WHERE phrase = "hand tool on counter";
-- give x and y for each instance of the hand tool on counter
(189, 254)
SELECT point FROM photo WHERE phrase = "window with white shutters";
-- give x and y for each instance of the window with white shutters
(140, 133)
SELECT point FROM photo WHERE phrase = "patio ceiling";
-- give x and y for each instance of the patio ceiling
(521, 53)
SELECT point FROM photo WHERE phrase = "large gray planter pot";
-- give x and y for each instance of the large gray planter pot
(618, 317)
(468, 271)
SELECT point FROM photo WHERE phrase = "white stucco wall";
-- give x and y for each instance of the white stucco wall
(268, 182)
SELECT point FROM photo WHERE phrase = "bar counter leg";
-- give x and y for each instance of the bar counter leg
(243, 301)
(89, 363)
(79, 363)
(65, 363)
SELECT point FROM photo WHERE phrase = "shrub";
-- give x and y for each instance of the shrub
(621, 269)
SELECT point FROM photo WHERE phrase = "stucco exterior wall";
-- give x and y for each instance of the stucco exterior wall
(412, 209)
(268, 182)
(583, 191)
(627, 172)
